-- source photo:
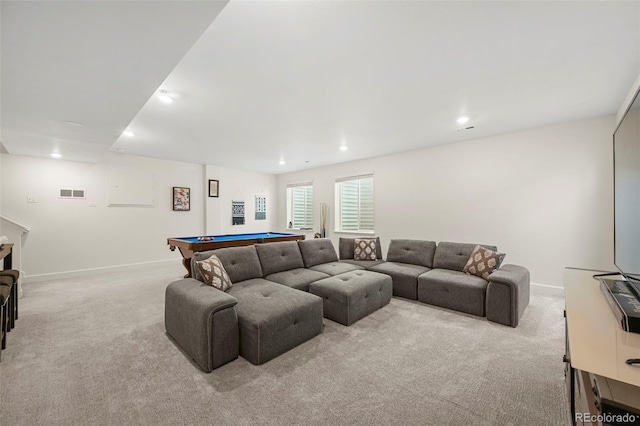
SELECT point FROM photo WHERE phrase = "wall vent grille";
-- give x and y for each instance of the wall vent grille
(72, 193)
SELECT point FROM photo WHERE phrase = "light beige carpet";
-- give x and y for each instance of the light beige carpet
(93, 351)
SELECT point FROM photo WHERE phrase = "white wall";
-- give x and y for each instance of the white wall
(543, 196)
(238, 185)
(69, 235)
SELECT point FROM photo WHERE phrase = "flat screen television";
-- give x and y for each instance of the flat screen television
(626, 162)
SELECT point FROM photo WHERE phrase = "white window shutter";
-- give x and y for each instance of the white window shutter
(355, 209)
(301, 202)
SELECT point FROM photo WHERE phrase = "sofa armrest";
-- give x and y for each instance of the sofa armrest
(508, 294)
(511, 275)
(203, 321)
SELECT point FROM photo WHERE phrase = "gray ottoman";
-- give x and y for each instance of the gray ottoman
(353, 295)
(274, 318)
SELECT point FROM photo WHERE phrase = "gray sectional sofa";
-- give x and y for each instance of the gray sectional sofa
(274, 303)
(281, 292)
(433, 274)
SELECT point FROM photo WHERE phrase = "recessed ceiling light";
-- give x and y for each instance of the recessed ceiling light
(282, 162)
(74, 123)
(165, 96)
(343, 147)
(463, 119)
(56, 155)
(128, 134)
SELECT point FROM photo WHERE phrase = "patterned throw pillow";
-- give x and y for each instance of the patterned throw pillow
(213, 273)
(483, 262)
(365, 249)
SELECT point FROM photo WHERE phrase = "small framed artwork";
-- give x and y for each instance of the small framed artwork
(261, 208)
(181, 199)
(237, 213)
(214, 188)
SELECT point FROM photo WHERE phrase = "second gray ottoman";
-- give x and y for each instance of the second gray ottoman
(352, 295)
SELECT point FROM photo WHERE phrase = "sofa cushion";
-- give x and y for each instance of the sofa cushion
(453, 290)
(299, 278)
(278, 257)
(404, 277)
(346, 248)
(483, 262)
(335, 268)
(454, 256)
(241, 263)
(213, 273)
(317, 251)
(416, 252)
(364, 249)
(273, 318)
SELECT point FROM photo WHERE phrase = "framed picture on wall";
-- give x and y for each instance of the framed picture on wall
(214, 188)
(181, 199)
(261, 207)
(237, 213)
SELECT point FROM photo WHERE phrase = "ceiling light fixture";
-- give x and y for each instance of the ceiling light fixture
(463, 119)
(56, 155)
(128, 134)
(165, 96)
(74, 123)
(343, 147)
(282, 162)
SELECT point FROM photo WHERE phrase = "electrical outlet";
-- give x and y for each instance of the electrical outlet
(31, 199)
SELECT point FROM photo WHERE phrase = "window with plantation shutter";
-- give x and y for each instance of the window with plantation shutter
(354, 201)
(300, 206)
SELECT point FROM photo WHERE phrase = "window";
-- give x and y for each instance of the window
(354, 201)
(300, 206)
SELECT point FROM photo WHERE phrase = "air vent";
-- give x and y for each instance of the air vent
(72, 193)
(465, 128)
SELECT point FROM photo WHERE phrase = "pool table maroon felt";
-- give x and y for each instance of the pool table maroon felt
(190, 245)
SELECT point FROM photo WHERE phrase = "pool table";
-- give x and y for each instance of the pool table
(190, 245)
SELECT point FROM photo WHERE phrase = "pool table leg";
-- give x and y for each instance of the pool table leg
(186, 261)
(187, 265)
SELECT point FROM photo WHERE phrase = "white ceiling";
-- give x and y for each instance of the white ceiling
(295, 80)
(94, 63)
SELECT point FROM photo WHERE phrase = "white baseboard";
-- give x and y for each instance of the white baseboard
(547, 290)
(86, 272)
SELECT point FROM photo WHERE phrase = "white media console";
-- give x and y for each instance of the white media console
(596, 352)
